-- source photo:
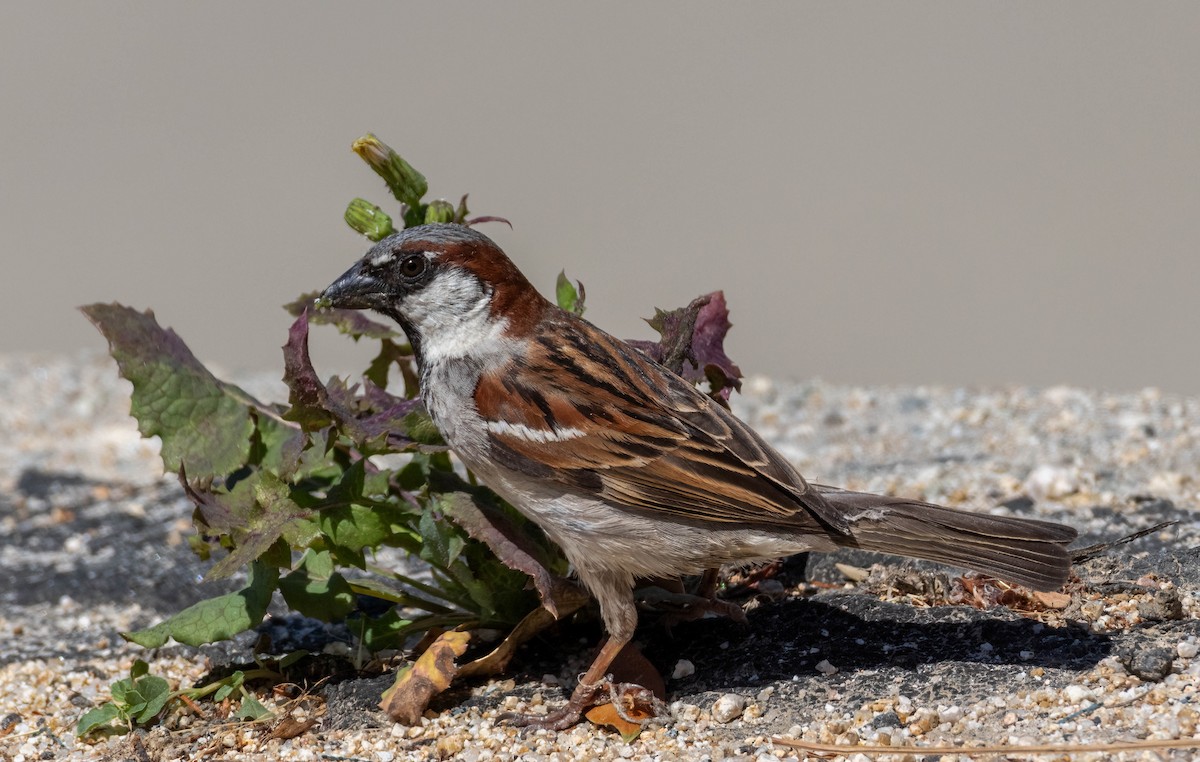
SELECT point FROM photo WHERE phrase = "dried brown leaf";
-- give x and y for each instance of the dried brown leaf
(290, 727)
(632, 666)
(431, 674)
(628, 711)
(569, 600)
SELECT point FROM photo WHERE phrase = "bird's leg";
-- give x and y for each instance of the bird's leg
(590, 692)
(708, 584)
(613, 590)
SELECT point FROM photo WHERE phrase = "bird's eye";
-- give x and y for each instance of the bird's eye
(413, 266)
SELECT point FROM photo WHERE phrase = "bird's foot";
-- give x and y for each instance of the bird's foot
(584, 697)
(632, 703)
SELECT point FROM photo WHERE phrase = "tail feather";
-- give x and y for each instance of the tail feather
(1026, 551)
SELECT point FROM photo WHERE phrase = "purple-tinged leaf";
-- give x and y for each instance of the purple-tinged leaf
(307, 396)
(708, 346)
(371, 418)
(652, 349)
(692, 343)
(201, 420)
(354, 323)
(254, 514)
(488, 218)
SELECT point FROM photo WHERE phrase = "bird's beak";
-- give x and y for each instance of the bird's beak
(355, 290)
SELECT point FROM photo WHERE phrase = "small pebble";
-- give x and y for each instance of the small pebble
(683, 668)
(728, 708)
(1077, 694)
(1165, 606)
(1151, 664)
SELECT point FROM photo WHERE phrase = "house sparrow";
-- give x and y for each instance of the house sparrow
(631, 470)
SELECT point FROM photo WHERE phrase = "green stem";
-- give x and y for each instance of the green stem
(406, 580)
(403, 599)
(213, 687)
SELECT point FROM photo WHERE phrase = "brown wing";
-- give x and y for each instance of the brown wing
(623, 427)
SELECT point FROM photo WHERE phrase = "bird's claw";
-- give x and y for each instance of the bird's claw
(583, 698)
(624, 697)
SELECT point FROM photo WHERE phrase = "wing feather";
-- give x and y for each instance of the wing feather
(638, 435)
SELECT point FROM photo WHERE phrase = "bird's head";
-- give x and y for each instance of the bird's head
(449, 287)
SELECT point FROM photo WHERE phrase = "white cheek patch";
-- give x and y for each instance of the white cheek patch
(452, 313)
(529, 434)
(382, 258)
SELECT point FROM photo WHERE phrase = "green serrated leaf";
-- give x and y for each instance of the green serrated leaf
(260, 522)
(119, 689)
(390, 353)
(460, 214)
(153, 693)
(217, 618)
(282, 446)
(413, 476)
(316, 590)
(443, 547)
(301, 534)
(355, 520)
(420, 428)
(96, 719)
(203, 422)
(350, 528)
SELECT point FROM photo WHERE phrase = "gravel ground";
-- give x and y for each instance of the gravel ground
(855, 649)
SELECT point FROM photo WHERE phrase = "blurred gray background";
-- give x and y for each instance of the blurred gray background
(960, 193)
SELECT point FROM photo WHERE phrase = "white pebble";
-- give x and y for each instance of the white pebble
(825, 668)
(1052, 482)
(950, 714)
(683, 668)
(1077, 694)
(1187, 649)
(728, 708)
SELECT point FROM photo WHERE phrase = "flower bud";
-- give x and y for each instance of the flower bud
(440, 210)
(368, 219)
(406, 184)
